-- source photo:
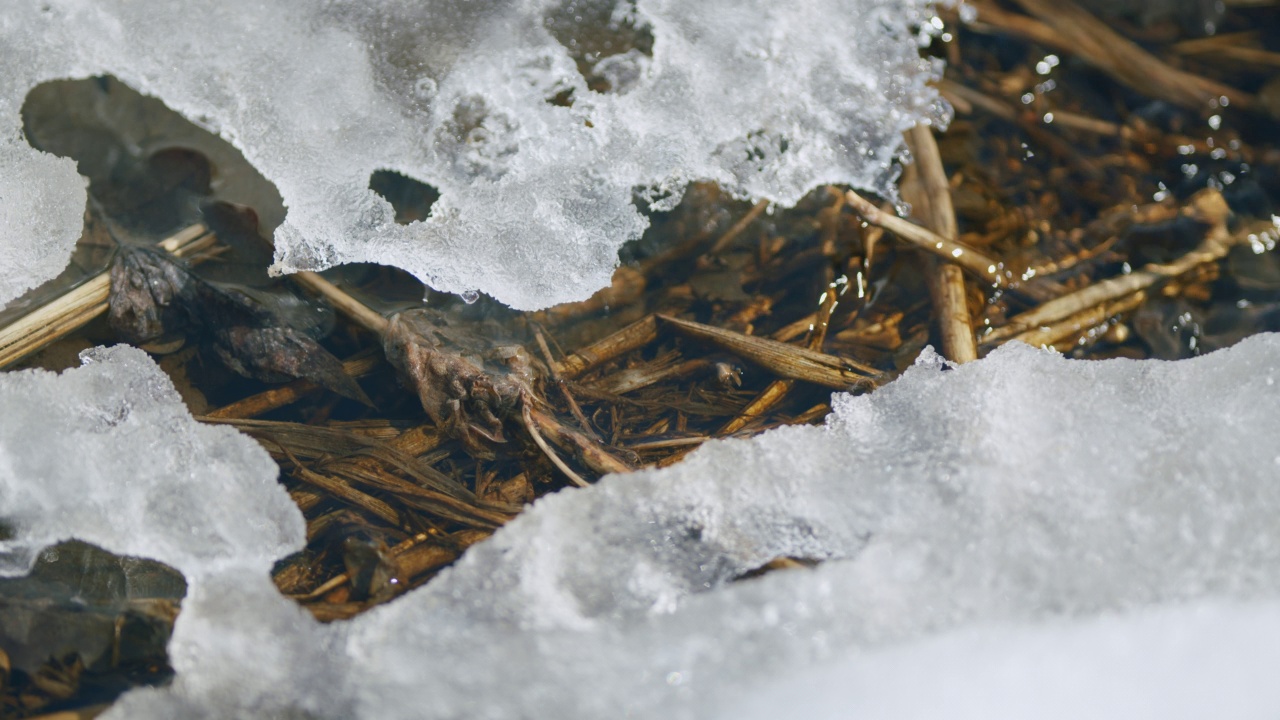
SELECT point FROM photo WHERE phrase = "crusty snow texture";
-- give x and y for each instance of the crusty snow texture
(768, 99)
(1023, 536)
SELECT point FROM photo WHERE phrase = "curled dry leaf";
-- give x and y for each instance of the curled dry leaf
(467, 394)
(279, 354)
(152, 295)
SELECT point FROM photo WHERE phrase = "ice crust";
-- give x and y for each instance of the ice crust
(1021, 536)
(108, 454)
(768, 100)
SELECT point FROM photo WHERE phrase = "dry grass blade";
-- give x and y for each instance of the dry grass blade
(787, 361)
(336, 445)
(343, 491)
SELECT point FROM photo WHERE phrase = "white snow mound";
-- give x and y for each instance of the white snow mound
(767, 99)
(1023, 536)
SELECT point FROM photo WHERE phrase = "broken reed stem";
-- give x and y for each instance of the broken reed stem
(930, 196)
(1207, 207)
(981, 266)
(773, 393)
(1055, 334)
(80, 305)
(356, 311)
(632, 337)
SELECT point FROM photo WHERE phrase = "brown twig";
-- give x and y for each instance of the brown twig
(984, 268)
(929, 193)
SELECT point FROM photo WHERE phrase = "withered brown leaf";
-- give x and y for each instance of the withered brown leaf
(467, 394)
(277, 354)
(150, 295)
(153, 295)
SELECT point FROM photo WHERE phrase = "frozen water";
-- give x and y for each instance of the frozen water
(537, 163)
(108, 453)
(1021, 536)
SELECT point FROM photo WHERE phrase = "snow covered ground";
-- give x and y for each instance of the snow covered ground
(1021, 536)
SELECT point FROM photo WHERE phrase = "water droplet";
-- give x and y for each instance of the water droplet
(470, 296)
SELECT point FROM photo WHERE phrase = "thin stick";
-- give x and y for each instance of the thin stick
(529, 425)
(981, 266)
(930, 197)
(356, 311)
(733, 232)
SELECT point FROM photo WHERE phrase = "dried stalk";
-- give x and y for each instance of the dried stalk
(929, 193)
(1066, 27)
(356, 311)
(632, 337)
(783, 360)
(80, 305)
(733, 232)
(984, 268)
(532, 427)
(358, 365)
(1207, 207)
(775, 391)
(343, 491)
(1053, 335)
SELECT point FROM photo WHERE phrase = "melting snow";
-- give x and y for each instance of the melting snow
(1021, 536)
(768, 99)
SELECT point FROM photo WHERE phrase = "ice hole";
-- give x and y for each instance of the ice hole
(412, 199)
(148, 167)
(112, 614)
(607, 39)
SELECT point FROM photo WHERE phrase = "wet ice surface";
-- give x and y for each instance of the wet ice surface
(1020, 536)
(470, 97)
